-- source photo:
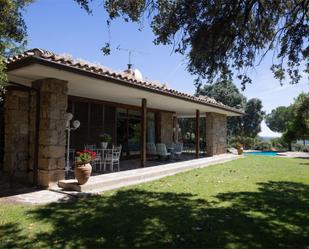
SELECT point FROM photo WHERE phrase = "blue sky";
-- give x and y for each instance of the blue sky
(62, 27)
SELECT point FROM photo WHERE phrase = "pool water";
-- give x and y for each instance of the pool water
(262, 153)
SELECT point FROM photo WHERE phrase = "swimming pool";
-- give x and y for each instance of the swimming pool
(262, 153)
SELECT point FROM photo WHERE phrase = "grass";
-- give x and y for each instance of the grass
(256, 202)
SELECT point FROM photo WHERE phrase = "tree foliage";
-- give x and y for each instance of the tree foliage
(227, 93)
(292, 121)
(222, 37)
(253, 118)
(279, 118)
(12, 32)
(224, 91)
(218, 37)
(300, 123)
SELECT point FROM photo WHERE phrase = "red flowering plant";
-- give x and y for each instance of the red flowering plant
(84, 157)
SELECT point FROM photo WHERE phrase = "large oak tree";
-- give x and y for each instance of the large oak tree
(220, 37)
(226, 37)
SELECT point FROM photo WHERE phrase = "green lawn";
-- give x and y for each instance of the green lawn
(256, 202)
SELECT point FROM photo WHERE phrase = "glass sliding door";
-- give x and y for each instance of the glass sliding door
(122, 127)
(151, 127)
(129, 130)
(95, 118)
(123, 124)
(134, 132)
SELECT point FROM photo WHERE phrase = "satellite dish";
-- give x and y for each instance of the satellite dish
(138, 75)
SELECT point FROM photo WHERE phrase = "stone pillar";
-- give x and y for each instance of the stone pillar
(52, 133)
(216, 133)
(33, 130)
(166, 131)
(16, 128)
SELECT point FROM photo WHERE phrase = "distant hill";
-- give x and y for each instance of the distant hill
(267, 139)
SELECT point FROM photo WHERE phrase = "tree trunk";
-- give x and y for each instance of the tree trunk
(290, 146)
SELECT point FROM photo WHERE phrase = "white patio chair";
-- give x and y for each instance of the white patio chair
(98, 160)
(151, 149)
(178, 149)
(112, 158)
(162, 151)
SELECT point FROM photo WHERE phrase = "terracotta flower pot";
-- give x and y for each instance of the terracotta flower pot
(240, 151)
(82, 173)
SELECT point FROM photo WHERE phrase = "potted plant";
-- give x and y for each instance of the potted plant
(83, 167)
(105, 139)
(240, 148)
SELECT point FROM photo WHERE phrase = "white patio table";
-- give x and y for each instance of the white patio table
(102, 154)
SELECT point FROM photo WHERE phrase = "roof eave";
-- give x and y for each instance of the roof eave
(39, 60)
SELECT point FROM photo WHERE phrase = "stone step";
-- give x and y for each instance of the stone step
(101, 183)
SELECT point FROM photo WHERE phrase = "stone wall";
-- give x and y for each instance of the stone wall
(32, 134)
(20, 136)
(16, 136)
(216, 133)
(166, 127)
(52, 133)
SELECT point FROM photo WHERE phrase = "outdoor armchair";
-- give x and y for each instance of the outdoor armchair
(112, 157)
(151, 149)
(178, 149)
(162, 151)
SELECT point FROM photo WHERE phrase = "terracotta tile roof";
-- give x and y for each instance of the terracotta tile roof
(129, 78)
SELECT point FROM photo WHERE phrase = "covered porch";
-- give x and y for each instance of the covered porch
(140, 138)
(44, 87)
(100, 183)
(133, 164)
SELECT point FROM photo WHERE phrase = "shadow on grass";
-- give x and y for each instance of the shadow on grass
(276, 216)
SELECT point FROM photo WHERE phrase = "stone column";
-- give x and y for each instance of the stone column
(33, 130)
(166, 127)
(52, 133)
(216, 133)
(16, 126)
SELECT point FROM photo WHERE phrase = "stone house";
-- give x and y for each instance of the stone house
(43, 86)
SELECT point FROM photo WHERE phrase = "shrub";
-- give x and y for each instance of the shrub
(279, 143)
(300, 147)
(105, 138)
(306, 148)
(248, 142)
(265, 146)
(85, 157)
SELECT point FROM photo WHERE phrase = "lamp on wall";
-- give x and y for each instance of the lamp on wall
(75, 125)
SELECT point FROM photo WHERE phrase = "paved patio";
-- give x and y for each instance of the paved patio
(23, 194)
(132, 164)
(34, 196)
(103, 182)
(293, 154)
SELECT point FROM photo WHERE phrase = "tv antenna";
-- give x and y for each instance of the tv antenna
(130, 52)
